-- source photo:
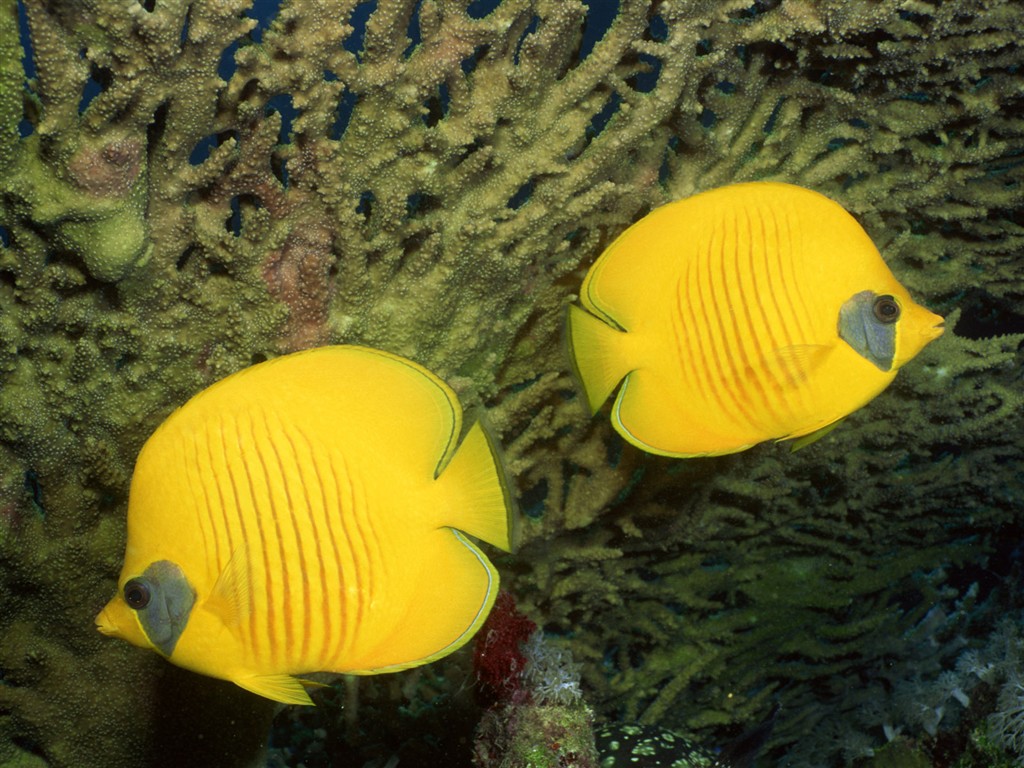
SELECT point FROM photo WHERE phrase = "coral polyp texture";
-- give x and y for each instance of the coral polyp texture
(186, 188)
(535, 712)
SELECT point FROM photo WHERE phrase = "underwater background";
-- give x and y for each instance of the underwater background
(187, 188)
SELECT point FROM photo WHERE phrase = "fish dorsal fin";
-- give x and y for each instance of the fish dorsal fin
(230, 598)
(283, 688)
(799, 361)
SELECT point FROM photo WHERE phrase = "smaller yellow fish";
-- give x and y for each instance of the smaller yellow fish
(307, 514)
(751, 312)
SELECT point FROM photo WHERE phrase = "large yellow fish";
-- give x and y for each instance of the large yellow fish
(751, 312)
(307, 514)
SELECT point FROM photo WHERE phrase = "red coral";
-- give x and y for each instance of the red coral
(497, 655)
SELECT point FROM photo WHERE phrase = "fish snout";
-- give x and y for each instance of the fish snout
(933, 328)
(114, 620)
(105, 623)
(922, 324)
(918, 328)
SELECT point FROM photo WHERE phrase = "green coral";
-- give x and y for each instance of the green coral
(536, 736)
(899, 754)
(444, 183)
(985, 752)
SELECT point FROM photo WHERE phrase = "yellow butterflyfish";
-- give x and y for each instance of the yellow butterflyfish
(751, 312)
(311, 514)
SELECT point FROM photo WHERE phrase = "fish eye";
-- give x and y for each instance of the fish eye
(886, 309)
(136, 594)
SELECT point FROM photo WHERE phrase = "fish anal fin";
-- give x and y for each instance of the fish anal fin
(283, 688)
(229, 598)
(648, 413)
(451, 602)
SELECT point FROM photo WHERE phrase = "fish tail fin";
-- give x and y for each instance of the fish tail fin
(597, 354)
(474, 482)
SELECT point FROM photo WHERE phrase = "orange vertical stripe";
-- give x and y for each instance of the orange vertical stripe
(700, 354)
(284, 631)
(326, 551)
(355, 600)
(716, 293)
(302, 520)
(248, 517)
(333, 512)
(743, 360)
(205, 505)
(277, 605)
(763, 292)
(793, 314)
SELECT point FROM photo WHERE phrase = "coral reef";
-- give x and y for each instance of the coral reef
(536, 716)
(499, 653)
(186, 188)
(649, 747)
(933, 703)
(1002, 662)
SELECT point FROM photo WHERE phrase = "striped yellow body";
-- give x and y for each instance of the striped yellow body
(311, 504)
(729, 302)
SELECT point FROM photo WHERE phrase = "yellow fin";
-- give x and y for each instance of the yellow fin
(638, 414)
(804, 440)
(597, 354)
(283, 688)
(229, 598)
(801, 360)
(481, 504)
(450, 604)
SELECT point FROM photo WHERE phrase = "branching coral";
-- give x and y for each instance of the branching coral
(1002, 662)
(192, 189)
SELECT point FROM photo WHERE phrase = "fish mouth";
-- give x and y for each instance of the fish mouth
(104, 623)
(935, 331)
(927, 325)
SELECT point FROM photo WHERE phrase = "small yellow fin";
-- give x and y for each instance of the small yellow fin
(598, 355)
(283, 688)
(230, 598)
(800, 360)
(475, 484)
(812, 437)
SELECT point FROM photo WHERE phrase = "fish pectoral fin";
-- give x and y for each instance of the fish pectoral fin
(229, 598)
(283, 688)
(799, 361)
